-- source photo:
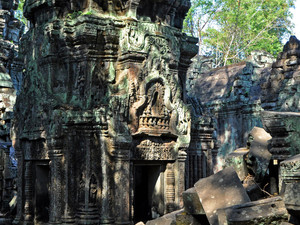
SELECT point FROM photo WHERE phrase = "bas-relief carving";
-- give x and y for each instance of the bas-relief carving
(114, 98)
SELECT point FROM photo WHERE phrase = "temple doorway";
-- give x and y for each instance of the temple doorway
(148, 192)
(42, 200)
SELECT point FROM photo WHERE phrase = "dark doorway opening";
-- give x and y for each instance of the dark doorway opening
(145, 202)
(42, 200)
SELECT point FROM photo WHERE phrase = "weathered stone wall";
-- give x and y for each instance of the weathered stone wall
(231, 96)
(281, 90)
(102, 111)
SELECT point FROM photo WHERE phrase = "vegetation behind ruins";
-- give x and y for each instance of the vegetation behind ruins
(229, 30)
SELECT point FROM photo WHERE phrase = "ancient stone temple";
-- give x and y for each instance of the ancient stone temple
(101, 124)
(11, 30)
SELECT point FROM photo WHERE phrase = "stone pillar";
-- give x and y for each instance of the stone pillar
(7, 184)
(122, 186)
(106, 214)
(182, 156)
(170, 188)
(19, 183)
(68, 216)
(284, 129)
(28, 208)
(55, 155)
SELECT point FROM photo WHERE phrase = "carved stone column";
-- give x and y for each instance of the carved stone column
(122, 185)
(106, 196)
(28, 208)
(68, 216)
(55, 155)
(170, 188)
(6, 178)
(20, 157)
(182, 156)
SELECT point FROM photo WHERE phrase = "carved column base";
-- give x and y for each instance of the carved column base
(108, 221)
(88, 215)
(68, 219)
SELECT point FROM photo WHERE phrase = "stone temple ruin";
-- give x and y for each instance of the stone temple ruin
(102, 128)
(111, 124)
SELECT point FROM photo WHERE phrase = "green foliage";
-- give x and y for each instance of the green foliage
(74, 15)
(19, 12)
(88, 12)
(229, 30)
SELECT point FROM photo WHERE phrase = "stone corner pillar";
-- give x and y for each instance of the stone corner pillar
(182, 157)
(56, 156)
(122, 183)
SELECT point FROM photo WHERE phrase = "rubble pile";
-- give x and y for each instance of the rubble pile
(243, 193)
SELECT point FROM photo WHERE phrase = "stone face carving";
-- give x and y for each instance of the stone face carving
(105, 110)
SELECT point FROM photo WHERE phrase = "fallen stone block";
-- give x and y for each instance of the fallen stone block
(237, 160)
(259, 157)
(266, 211)
(191, 202)
(221, 190)
(168, 219)
(185, 219)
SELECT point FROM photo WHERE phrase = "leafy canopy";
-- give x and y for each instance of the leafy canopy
(229, 30)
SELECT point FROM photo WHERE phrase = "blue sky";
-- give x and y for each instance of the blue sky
(296, 18)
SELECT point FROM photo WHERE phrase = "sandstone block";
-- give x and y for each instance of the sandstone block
(191, 202)
(168, 219)
(292, 198)
(237, 160)
(259, 157)
(266, 211)
(184, 219)
(221, 190)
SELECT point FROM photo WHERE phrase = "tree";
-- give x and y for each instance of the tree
(237, 27)
(200, 16)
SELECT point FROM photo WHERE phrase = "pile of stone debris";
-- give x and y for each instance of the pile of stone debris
(241, 193)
